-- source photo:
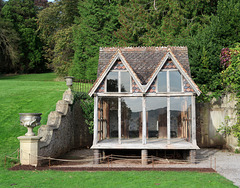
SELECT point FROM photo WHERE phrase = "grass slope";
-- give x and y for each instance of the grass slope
(39, 93)
(34, 93)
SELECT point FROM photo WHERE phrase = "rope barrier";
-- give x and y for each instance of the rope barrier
(11, 157)
(9, 154)
(122, 157)
(125, 156)
(110, 158)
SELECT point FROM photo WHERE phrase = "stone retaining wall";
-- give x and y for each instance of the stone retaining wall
(210, 116)
(65, 129)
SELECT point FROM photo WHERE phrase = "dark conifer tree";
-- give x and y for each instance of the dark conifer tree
(94, 28)
(22, 14)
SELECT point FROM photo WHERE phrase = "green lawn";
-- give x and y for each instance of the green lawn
(111, 179)
(39, 93)
(34, 93)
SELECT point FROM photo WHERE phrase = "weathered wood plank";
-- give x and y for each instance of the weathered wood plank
(194, 121)
(144, 123)
(136, 143)
(95, 131)
(119, 120)
(168, 121)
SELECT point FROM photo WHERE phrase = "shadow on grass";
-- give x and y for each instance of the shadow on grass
(29, 77)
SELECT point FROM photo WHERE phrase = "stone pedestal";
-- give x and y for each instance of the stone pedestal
(29, 150)
(144, 154)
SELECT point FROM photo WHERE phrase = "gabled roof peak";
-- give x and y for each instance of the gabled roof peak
(142, 62)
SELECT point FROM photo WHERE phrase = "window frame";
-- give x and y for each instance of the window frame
(168, 81)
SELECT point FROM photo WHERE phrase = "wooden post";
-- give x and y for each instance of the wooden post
(119, 120)
(18, 154)
(108, 120)
(144, 123)
(210, 162)
(101, 119)
(96, 156)
(111, 160)
(193, 121)
(168, 121)
(152, 162)
(95, 132)
(193, 156)
(144, 157)
(215, 164)
(103, 155)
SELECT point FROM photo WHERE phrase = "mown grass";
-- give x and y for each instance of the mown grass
(39, 93)
(34, 93)
(111, 179)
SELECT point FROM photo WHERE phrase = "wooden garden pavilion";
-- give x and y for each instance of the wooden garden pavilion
(144, 99)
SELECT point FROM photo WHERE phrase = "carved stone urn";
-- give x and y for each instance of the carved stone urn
(69, 81)
(30, 120)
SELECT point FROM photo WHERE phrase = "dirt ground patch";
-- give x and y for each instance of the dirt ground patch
(28, 167)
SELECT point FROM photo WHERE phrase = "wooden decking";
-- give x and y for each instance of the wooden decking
(136, 143)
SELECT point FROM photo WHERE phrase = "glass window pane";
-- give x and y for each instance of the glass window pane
(162, 81)
(175, 81)
(112, 82)
(180, 117)
(110, 116)
(156, 108)
(131, 109)
(125, 82)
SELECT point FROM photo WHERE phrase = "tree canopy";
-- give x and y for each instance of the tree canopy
(22, 16)
(66, 35)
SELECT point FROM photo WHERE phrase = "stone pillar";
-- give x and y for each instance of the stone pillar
(29, 150)
(144, 153)
(96, 156)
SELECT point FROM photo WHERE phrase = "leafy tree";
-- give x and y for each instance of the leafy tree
(55, 23)
(63, 51)
(94, 28)
(162, 22)
(204, 47)
(230, 61)
(22, 14)
(9, 54)
(1, 5)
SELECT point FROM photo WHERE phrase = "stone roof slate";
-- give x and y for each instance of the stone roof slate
(143, 60)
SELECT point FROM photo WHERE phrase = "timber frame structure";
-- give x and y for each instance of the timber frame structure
(144, 99)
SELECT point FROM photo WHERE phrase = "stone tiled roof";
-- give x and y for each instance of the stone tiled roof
(143, 60)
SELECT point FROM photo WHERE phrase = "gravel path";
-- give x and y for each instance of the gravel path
(227, 164)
